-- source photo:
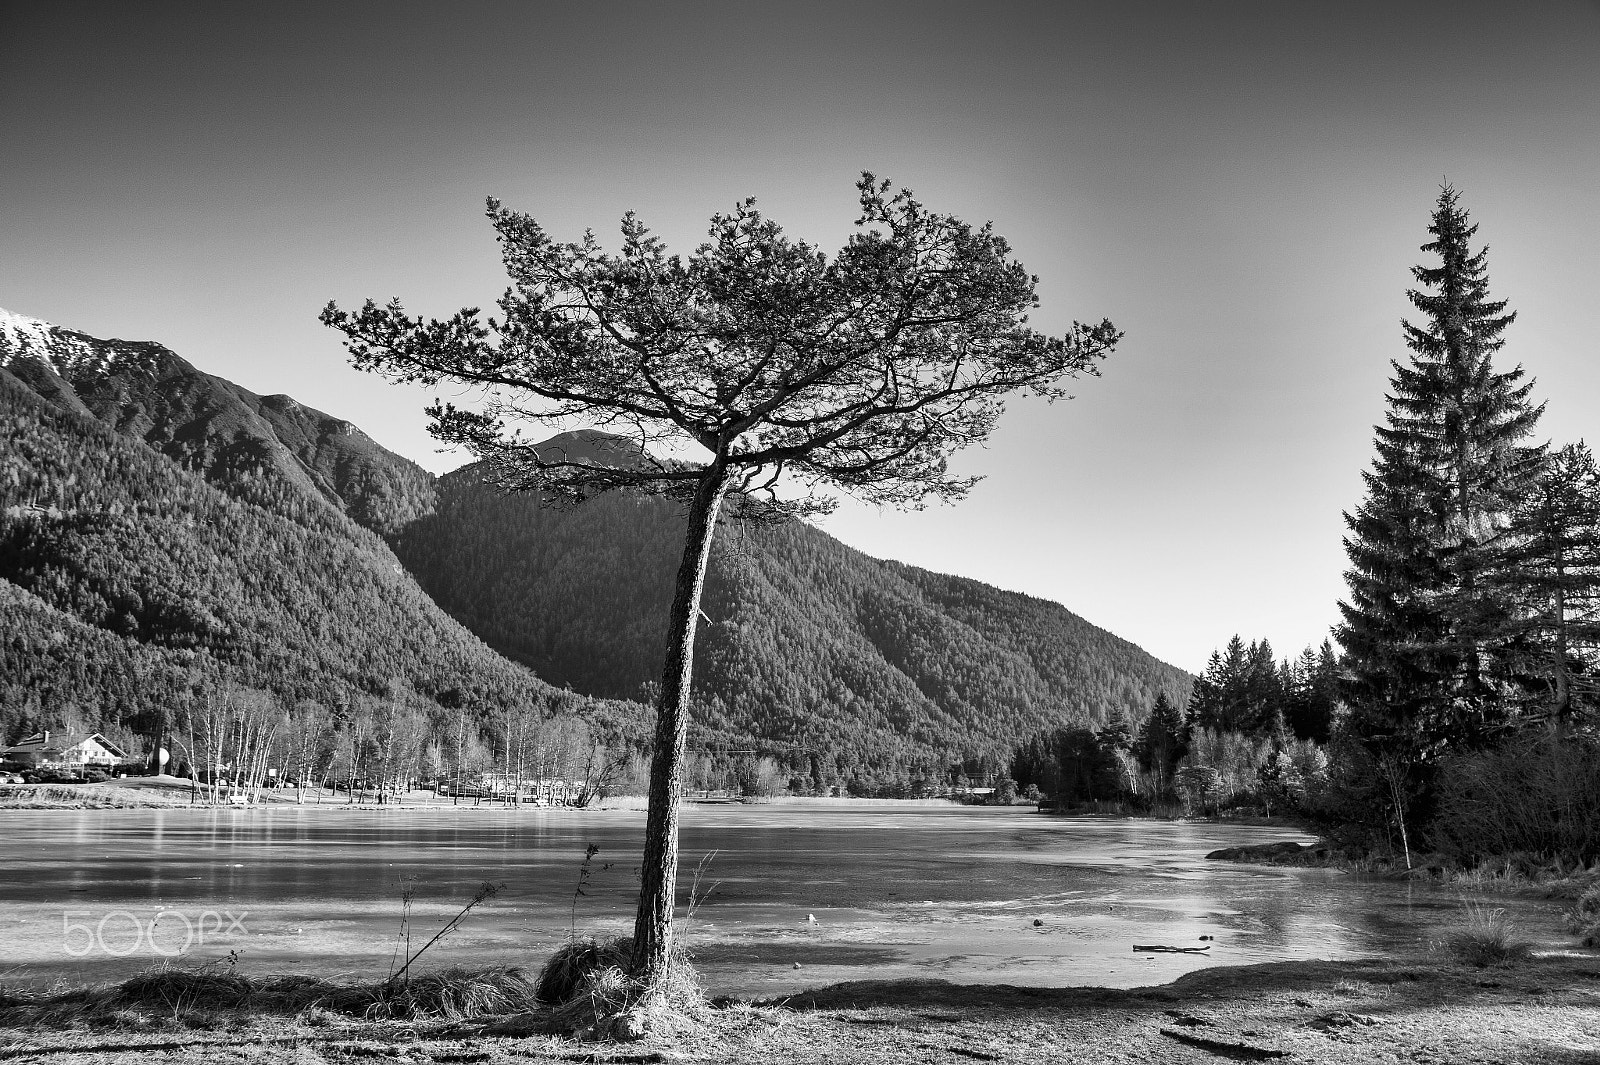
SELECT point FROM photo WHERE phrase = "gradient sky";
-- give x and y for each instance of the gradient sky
(1242, 187)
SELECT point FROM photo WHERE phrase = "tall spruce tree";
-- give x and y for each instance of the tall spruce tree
(1427, 625)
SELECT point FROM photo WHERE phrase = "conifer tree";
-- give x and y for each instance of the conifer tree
(1556, 573)
(1234, 688)
(1205, 698)
(1163, 740)
(1311, 693)
(1117, 733)
(1427, 627)
(1261, 709)
(1240, 691)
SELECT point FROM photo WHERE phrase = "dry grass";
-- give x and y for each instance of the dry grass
(1585, 916)
(589, 991)
(1574, 885)
(1486, 937)
(1502, 874)
(564, 974)
(78, 797)
(456, 994)
(584, 988)
(199, 997)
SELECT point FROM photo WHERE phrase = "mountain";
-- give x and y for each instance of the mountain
(806, 644)
(146, 560)
(159, 524)
(211, 425)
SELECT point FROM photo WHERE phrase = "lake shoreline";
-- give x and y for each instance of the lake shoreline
(145, 793)
(1545, 1010)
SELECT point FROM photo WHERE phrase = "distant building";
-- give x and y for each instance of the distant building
(65, 750)
(507, 787)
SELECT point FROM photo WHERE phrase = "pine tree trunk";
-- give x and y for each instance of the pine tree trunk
(652, 928)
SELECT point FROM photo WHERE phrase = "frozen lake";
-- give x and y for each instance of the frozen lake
(916, 891)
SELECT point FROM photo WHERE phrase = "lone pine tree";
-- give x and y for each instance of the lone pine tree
(790, 371)
(1427, 629)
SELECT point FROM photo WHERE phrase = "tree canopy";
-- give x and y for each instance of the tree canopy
(864, 370)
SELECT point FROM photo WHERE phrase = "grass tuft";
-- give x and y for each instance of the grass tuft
(587, 984)
(456, 993)
(564, 974)
(1486, 937)
(204, 989)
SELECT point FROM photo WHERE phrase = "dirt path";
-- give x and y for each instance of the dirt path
(1545, 1011)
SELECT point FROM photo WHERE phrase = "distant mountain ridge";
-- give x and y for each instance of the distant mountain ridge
(213, 426)
(812, 648)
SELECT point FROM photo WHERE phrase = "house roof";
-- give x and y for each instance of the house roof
(46, 743)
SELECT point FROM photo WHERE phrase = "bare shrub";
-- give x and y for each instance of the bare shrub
(1221, 769)
(1537, 794)
(759, 778)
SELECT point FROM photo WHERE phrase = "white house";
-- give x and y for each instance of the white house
(65, 751)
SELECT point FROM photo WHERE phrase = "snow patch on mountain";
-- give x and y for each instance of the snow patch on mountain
(23, 337)
(71, 355)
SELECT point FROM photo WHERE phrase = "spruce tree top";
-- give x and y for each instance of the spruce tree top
(1454, 423)
(1426, 637)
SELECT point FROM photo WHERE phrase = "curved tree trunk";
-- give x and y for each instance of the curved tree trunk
(652, 927)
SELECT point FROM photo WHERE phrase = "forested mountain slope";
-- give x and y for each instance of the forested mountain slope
(129, 586)
(806, 641)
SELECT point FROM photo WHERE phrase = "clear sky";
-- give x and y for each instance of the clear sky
(1242, 187)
